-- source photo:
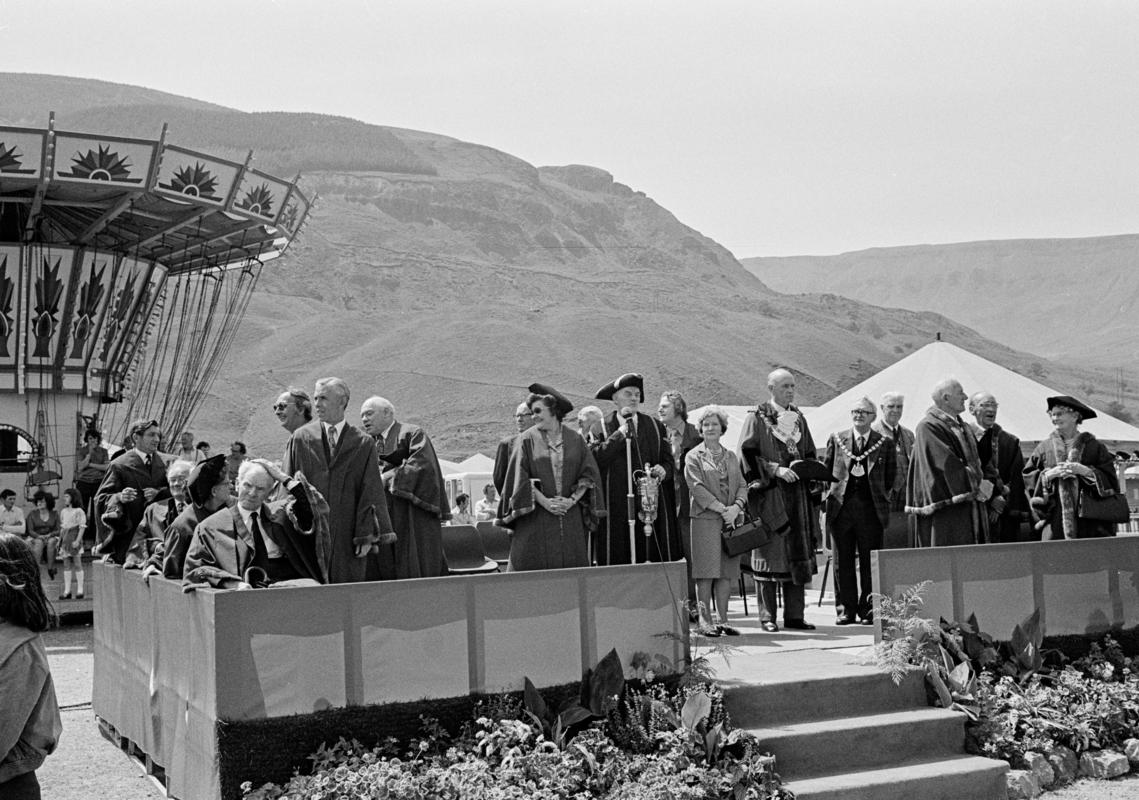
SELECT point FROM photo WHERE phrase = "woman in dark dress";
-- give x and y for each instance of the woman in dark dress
(544, 498)
(1066, 463)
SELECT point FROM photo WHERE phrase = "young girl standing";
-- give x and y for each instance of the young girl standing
(73, 521)
(30, 725)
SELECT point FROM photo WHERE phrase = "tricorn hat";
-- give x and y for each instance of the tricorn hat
(1070, 402)
(560, 400)
(628, 379)
(204, 477)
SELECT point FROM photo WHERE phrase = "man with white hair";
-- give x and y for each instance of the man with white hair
(776, 450)
(150, 533)
(416, 493)
(1000, 451)
(255, 543)
(889, 424)
(339, 460)
(947, 488)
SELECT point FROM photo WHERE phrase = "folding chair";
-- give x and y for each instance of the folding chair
(464, 551)
(495, 542)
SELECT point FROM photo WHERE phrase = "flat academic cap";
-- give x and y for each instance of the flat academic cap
(560, 400)
(1070, 402)
(204, 477)
(628, 379)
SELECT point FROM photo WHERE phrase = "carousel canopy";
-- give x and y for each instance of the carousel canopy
(148, 199)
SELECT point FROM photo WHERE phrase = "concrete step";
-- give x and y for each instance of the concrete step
(858, 743)
(959, 778)
(841, 690)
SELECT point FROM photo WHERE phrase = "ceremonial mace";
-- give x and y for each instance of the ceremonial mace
(630, 498)
(648, 487)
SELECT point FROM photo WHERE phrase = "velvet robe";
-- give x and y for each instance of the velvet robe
(350, 482)
(945, 476)
(1001, 451)
(417, 503)
(651, 446)
(542, 540)
(1047, 505)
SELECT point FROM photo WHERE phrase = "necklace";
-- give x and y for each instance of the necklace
(857, 468)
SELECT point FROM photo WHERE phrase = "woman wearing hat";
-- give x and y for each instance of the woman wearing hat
(1068, 462)
(544, 494)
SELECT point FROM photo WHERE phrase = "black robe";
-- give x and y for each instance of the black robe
(611, 541)
(417, 503)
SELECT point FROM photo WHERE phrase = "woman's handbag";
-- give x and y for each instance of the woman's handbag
(748, 535)
(1112, 508)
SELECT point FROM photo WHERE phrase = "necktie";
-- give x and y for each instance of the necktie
(260, 553)
(146, 461)
(861, 443)
(332, 438)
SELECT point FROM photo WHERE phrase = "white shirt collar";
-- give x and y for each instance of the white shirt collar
(779, 407)
(338, 427)
(141, 454)
(386, 431)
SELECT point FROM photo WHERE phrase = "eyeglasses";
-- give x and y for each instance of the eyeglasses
(280, 406)
(988, 406)
(523, 416)
(860, 411)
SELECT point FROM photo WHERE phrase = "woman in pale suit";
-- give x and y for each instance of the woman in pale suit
(718, 495)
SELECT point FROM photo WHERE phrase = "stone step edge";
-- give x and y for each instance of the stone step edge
(858, 723)
(955, 766)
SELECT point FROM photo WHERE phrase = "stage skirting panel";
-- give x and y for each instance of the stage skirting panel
(1086, 586)
(169, 665)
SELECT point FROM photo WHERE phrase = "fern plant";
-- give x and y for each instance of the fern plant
(908, 639)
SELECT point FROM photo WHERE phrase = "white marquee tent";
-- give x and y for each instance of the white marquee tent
(1022, 400)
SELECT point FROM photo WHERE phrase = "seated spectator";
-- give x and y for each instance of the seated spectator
(487, 508)
(11, 515)
(283, 541)
(150, 533)
(207, 490)
(73, 523)
(43, 529)
(461, 513)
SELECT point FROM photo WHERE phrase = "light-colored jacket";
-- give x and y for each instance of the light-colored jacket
(30, 723)
(704, 481)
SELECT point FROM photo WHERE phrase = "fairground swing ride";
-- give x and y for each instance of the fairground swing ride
(125, 267)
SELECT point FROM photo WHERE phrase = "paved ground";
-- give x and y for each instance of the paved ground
(86, 765)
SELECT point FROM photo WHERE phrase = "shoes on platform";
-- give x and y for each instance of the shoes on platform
(79, 596)
(51, 574)
(770, 627)
(727, 630)
(798, 625)
(845, 620)
(868, 619)
(708, 630)
(66, 596)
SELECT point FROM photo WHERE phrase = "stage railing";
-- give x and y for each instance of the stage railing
(1086, 586)
(169, 666)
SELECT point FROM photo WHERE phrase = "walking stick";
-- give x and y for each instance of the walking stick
(630, 498)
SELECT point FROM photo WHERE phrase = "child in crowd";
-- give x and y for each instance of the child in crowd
(30, 724)
(73, 520)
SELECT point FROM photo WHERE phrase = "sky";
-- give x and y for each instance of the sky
(775, 128)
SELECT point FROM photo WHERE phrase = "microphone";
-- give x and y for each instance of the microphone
(627, 413)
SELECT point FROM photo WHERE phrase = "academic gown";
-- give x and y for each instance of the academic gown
(542, 540)
(417, 503)
(1047, 503)
(651, 446)
(502, 455)
(350, 483)
(222, 547)
(1001, 450)
(944, 478)
(128, 470)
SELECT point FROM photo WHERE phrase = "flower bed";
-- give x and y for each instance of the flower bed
(647, 742)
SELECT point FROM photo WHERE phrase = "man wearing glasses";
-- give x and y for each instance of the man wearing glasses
(293, 409)
(1000, 452)
(857, 508)
(523, 419)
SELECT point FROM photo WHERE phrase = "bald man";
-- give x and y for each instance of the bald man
(1000, 452)
(775, 436)
(947, 489)
(523, 419)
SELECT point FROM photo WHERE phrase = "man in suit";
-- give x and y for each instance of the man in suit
(339, 460)
(672, 410)
(897, 533)
(649, 445)
(255, 544)
(857, 508)
(1000, 451)
(416, 493)
(133, 480)
(523, 419)
(774, 438)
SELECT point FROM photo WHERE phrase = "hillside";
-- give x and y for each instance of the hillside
(447, 276)
(1072, 300)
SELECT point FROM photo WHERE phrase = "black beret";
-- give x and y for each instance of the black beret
(560, 400)
(628, 379)
(204, 477)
